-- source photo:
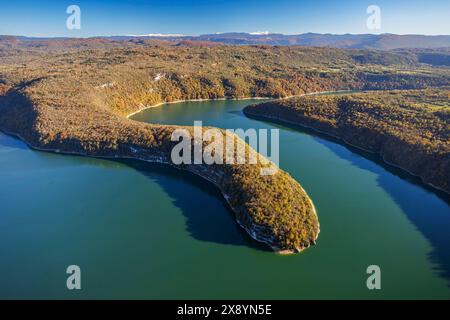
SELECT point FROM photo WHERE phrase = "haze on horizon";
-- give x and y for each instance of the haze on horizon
(138, 17)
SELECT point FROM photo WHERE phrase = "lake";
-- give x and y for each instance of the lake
(144, 231)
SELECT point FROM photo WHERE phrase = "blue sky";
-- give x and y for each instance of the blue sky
(101, 17)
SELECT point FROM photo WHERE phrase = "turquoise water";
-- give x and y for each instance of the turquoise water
(144, 231)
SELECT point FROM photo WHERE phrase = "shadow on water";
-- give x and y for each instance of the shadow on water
(239, 113)
(209, 217)
(426, 207)
(11, 142)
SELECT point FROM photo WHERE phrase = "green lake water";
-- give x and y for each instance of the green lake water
(144, 231)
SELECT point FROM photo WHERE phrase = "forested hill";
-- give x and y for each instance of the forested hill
(346, 41)
(409, 129)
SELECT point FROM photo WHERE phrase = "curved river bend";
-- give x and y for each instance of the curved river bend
(139, 230)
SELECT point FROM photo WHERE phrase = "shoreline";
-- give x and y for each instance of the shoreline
(345, 142)
(193, 100)
(237, 99)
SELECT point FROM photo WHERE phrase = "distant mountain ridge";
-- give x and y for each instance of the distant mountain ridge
(344, 41)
